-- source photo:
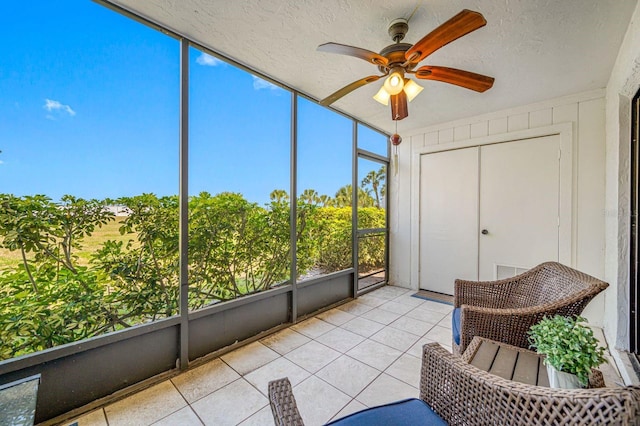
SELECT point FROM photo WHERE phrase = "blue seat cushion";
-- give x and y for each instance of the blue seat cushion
(455, 325)
(400, 413)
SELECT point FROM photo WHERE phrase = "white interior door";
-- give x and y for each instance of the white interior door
(448, 218)
(519, 199)
(488, 212)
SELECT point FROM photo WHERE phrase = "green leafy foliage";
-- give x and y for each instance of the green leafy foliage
(236, 248)
(48, 299)
(569, 345)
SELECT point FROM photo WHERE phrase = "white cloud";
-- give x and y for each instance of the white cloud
(208, 60)
(57, 108)
(260, 84)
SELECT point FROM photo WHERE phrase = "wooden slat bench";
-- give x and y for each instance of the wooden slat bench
(514, 363)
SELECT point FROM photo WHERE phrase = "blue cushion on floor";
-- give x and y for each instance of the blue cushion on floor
(455, 325)
(401, 413)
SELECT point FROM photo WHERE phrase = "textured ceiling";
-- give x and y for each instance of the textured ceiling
(535, 49)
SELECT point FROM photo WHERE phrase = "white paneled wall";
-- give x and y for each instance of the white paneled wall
(586, 113)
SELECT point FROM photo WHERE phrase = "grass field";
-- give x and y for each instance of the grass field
(89, 245)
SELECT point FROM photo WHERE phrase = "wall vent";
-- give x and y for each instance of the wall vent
(508, 271)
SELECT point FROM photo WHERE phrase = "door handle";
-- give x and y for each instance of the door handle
(485, 232)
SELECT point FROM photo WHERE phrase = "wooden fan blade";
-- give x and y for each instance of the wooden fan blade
(348, 89)
(399, 106)
(343, 49)
(466, 79)
(461, 24)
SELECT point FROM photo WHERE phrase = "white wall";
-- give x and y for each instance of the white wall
(623, 84)
(586, 112)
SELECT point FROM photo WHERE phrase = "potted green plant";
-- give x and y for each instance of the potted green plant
(570, 348)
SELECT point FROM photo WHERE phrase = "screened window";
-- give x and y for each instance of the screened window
(324, 167)
(239, 180)
(88, 174)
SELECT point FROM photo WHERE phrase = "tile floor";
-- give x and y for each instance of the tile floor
(363, 353)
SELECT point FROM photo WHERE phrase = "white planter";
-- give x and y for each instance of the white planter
(560, 379)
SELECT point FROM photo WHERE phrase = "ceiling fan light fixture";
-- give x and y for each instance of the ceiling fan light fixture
(382, 96)
(395, 82)
(412, 89)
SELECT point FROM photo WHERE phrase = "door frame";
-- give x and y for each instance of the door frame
(566, 231)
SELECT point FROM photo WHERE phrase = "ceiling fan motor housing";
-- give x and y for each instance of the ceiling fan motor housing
(395, 55)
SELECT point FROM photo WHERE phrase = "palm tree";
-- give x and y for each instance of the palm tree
(325, 200)
(279, 195)
(377, 180)
(343, 197)
(310, 196)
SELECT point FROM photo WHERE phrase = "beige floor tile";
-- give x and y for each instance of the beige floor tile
(398, 308)
(184, 417)
(386, 389)
(285, 341)
(426, 315)
(445, 322)
(318, 402)
(94, 418)
(382, 294)
(277, 369)
(313, 327)
(340, 339)
(409, 300)
(250, 357)
(335, 316)
(381, 316)
(312, 356)
(355, 308)
(261, 418)
(397, 339)
(363, 326)
(375, 354)
(201, 381)
(352, 407)
(146, 407)
(348, 375)
(412, 325)
(407, 369)
(371, 300)
(436, 306)
(416, 349)
(230, 405)
(391, 292)
(439, 334)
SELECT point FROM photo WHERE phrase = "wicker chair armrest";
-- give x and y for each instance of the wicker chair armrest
(283, 403)
(509, 326)
(462, 394)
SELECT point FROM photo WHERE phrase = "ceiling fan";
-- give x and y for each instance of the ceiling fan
(398, 60)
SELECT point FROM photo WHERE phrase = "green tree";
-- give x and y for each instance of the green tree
(145, 271)
(377, 180)
(235, 248)
(343, 197)
(48, 299)
(310, 196)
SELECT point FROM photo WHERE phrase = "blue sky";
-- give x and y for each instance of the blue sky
(89, 107)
